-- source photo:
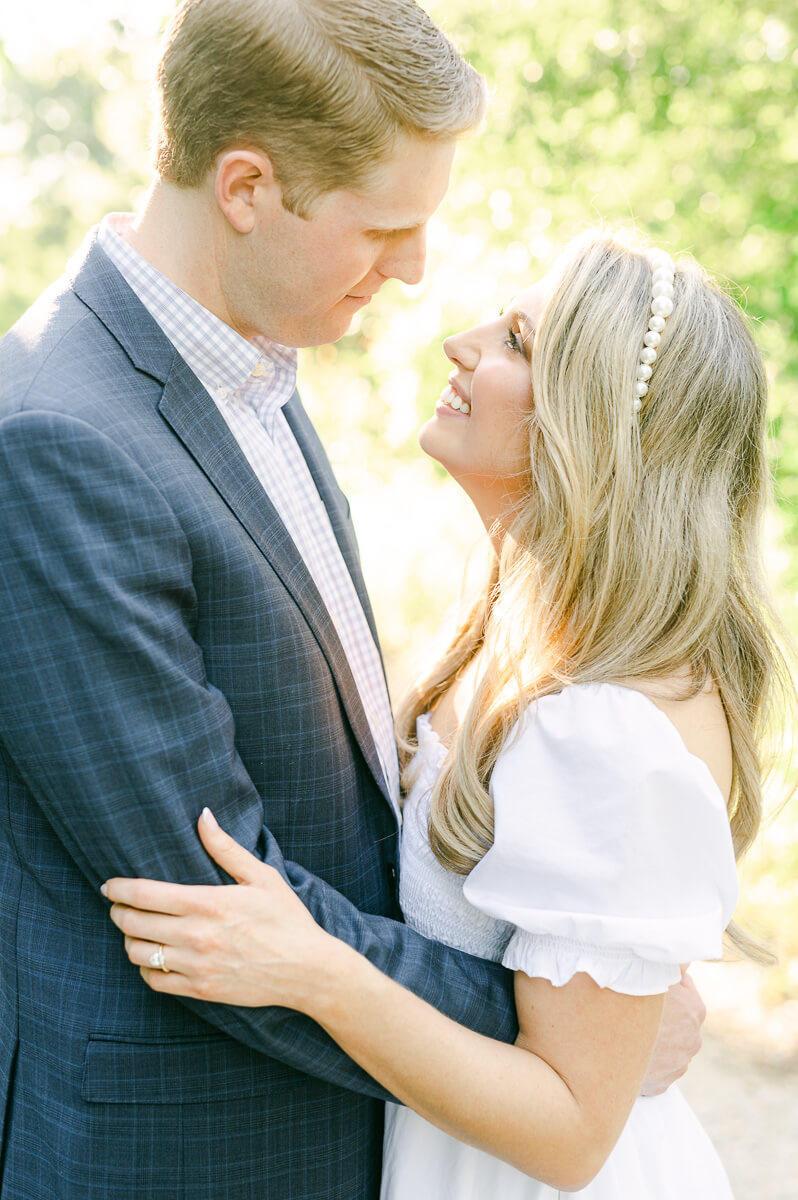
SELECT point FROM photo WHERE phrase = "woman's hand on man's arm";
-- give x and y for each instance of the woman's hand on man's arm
(255, 946)
(552, 1105)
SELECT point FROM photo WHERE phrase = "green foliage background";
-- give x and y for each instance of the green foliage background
(679, 115)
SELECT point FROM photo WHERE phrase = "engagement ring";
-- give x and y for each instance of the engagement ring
(157, 960)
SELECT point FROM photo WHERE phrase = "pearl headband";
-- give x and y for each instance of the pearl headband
(661, 308)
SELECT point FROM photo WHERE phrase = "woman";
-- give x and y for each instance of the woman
(582, 765)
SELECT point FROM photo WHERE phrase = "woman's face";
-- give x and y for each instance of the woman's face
(478, 431)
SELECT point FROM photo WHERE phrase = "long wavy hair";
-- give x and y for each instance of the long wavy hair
(635, 551)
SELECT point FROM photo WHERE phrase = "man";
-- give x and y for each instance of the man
(183, 620)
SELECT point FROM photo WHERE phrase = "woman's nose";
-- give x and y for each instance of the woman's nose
(461, 348)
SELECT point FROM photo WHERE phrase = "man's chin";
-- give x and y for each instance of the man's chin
(332, 329)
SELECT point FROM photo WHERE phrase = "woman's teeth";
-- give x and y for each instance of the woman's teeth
(450, 397)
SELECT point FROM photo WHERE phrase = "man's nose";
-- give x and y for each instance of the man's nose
(406, 259)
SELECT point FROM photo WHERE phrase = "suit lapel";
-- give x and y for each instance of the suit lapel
(332, 497)
(194, 418)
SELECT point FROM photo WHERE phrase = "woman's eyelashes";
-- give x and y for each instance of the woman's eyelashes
(515, 342)
(515, 339)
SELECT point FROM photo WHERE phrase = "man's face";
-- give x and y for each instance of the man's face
(300, 282)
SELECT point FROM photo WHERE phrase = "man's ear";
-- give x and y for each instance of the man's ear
(244, 180)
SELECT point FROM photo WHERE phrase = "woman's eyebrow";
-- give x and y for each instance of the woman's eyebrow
(524, 323)
(524, 319)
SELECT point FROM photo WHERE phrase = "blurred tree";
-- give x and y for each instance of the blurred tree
(71, 140)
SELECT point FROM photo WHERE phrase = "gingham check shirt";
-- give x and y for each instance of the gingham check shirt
(250, 381)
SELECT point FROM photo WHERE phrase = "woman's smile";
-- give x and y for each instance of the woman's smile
(453, 400)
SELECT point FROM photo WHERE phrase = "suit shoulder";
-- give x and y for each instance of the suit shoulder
(33, 338)
(60, 356)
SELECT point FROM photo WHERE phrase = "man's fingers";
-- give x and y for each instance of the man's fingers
(698, 1007)
(231, 857)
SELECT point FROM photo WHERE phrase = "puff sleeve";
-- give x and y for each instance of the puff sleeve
(612, 854)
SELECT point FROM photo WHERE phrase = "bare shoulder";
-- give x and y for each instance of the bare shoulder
(700, 721)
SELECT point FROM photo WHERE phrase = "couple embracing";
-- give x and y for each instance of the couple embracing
(192, 690)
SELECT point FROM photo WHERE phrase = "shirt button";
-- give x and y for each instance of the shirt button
(259, 368)
(222, 393)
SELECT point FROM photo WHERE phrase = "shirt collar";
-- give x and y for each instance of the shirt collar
(260, 373)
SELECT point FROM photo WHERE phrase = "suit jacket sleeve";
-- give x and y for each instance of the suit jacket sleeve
(107, 714)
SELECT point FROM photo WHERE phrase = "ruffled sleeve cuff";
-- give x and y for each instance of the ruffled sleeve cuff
(558, 959)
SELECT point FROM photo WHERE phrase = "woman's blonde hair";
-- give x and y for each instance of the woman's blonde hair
(635, 551)
(322, 86)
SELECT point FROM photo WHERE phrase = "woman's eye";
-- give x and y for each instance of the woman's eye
(514, 342)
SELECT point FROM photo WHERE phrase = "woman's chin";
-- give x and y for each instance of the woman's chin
(436, 445)
(433, 441)
(425, 433)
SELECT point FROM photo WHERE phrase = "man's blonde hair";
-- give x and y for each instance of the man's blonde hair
(324, 87)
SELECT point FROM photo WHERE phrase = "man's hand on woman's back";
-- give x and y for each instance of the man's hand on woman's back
(679, 1038)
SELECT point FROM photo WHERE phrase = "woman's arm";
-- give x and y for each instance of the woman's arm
(552, 1105)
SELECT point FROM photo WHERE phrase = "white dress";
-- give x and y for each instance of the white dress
(612, 856)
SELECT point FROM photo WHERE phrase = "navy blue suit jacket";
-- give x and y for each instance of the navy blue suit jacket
(163, 647)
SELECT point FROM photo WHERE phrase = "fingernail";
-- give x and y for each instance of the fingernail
(209, 819)
(104, 889)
